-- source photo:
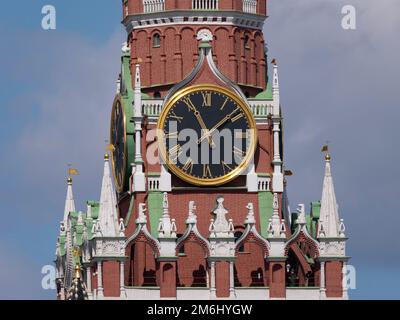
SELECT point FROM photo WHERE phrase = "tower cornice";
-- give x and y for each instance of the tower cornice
(190, 17)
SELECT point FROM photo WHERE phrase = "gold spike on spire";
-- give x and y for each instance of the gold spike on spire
(77, 271)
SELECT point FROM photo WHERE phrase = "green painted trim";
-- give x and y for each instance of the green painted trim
(263, 174)
(155, 202)
(265, 200)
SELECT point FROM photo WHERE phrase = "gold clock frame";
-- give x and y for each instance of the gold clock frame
(200, 181)
(119, 187)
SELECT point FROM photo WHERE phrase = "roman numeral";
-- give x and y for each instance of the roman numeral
(223, 106)
(239, 116)
(175, 152)
(238, 152)
(189, 104)
(172, 135)
(207, 99)
(188, 167)
(207, 171)
(174, 116)
(225, 167)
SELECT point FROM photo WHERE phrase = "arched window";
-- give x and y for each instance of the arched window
(156, 40)
(246, 42)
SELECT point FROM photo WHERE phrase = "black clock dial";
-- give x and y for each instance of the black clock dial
(118, 140)
(208, 136)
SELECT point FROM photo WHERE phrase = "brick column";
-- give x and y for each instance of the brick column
(168, 278)
(277, 279)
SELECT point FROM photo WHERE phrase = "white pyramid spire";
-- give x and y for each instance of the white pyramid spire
(108, 222)
(329, 215)
(69, 201)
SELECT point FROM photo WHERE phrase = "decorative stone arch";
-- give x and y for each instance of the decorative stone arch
(142, 235)
(192, 236)
(252, 237)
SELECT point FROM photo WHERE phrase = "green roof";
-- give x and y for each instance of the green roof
(265, 95)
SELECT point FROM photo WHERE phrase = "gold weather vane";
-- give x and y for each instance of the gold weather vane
(109, 146)
(325, 149)
(72, 171)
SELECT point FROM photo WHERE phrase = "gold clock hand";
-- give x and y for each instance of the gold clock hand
(199, 118)
(219, 124)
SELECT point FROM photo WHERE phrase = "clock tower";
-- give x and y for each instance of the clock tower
(200, 209)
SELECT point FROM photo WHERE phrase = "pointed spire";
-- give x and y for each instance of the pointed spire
(329, 215)
(107, 221)
(69, 201)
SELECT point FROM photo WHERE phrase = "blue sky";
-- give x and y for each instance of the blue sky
(56, 90)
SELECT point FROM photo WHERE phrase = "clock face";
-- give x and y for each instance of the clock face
(118, 140)
(207, 135)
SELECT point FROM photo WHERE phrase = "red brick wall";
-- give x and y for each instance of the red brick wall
(142, 266)
(111, 278)
(178, 54)
(277, 287)
(333, 279)
(168, 279)
(192, 265)
(250, 266)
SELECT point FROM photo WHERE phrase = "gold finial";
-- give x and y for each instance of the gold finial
(106, 156)
(77, 271)
(327, 157)
(69, 180)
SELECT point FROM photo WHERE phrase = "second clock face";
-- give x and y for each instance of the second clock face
(118, 140)
(207, 135)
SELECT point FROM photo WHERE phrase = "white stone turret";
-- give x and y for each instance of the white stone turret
(275, 87)
(329, 215)
(69, 201)
(139, 180)
(331, 229)
(108, 225)
(277, 180)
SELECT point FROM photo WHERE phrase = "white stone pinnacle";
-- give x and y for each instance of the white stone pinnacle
(69, 201)
(329, 215)
(108, 221)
